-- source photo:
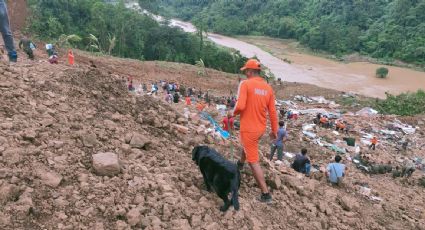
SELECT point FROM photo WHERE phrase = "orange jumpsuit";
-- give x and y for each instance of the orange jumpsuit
(201, 106)
(70, 57)
(255, 99)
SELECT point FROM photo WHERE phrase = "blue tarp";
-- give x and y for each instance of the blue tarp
(223, 133)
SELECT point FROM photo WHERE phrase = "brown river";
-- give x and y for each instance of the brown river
(356, 77)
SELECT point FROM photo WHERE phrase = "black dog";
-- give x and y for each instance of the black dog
(220, 174)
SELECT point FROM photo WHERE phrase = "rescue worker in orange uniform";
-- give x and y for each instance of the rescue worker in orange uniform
(340, 125)
(324, 121)
(255, 100)
(373, 142)
(70, 57)
(201, 106)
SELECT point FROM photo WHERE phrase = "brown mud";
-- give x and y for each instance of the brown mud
(54, 118)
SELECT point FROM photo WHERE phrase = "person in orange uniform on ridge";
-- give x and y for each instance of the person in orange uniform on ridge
(70, 57)
(255, 99)
(373, 141)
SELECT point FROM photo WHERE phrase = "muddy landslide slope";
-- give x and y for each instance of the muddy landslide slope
(78, 152)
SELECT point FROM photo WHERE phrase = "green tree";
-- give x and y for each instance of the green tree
(382, 72)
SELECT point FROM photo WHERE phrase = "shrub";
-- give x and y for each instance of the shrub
(405, 104)
(382, 72)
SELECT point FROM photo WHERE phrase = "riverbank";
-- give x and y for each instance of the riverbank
(268, 44)
(357, 77)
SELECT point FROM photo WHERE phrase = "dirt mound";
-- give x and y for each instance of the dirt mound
(55, 118)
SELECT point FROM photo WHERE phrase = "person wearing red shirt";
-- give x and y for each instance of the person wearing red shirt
(228, 122)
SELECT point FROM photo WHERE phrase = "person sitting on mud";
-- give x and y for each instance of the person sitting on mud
(335, 171)
(176, 98)
(54, 59)
(316, 120)
(154, 89)
(282, 112)
(130, 86)
(302, 163)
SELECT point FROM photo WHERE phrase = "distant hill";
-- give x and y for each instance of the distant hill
(388, 29)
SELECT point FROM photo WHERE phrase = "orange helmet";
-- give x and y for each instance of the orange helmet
(252, 64)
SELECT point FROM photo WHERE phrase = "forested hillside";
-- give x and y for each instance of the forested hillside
(388, 29)
(113, 29)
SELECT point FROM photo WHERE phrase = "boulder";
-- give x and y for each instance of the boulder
(347, 203)
(89, 140)
(30, 135)
(49, 178)
(181, 121)
(180, 224)
(133, 217)
(274, 182)
(181, 128)
(8, 192)
(106, 164)
(139, 141)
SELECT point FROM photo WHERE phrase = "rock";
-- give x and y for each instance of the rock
(116, 117)
(110, 125)
(204, 202)
(4, 220)
(99, 226)
(255, 223)
(121, 225)
(89, 140)
(47, 122)
(140, 119)
(8, 192)
(180, 224)
(127, 138)
(6, 125)
(139, 141)
(348, 204)
(12, 155)
(29, 135)
(106, 164)
(181, 128)
(181, 121)
(133, 217)
(195, 221)
(212, 226)
(6, 84)
(49, 178)
(274, 182)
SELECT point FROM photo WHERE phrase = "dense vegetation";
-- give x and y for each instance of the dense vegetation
(405, 104)
(382, 72)
(387, 29)
(121, 32)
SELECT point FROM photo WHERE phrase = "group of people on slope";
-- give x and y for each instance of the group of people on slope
(301, 162)
(25, 43)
